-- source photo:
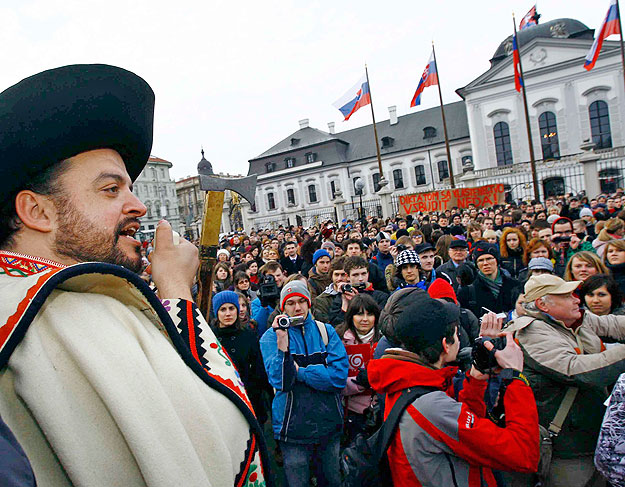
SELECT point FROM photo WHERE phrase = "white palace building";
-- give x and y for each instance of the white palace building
(309, 176)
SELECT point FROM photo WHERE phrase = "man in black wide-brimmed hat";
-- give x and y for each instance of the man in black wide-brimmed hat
(102, 382)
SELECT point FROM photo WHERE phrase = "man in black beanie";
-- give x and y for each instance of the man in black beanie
(102, 381)
(492, 289)
(445, 441)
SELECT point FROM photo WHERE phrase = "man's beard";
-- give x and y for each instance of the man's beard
(80, 239)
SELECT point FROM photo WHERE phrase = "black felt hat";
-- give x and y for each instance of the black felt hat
(59, 113)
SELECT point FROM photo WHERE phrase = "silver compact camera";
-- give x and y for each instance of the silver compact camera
(285, 322)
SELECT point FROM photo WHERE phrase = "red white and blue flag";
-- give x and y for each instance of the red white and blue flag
(428, 78)
(529, 19)
(516, 60)
(356, 97)
(610, 26)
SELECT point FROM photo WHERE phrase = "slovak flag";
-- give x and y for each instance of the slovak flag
(516, 60)
(428, 78)
(529, 19)
(610, 26)
(356, 97)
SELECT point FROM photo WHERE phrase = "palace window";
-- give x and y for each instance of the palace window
(600, 124)
(549, 135)
(419, 172)
(503, 147)
(398, 178)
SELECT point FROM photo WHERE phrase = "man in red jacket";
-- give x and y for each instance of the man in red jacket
(441, 441)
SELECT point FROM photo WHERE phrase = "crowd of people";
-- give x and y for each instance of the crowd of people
(361, 292)
(486, 340)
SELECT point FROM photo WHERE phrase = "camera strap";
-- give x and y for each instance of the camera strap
(565, 406)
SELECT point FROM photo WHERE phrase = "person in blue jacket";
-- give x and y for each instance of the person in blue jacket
(307, 365)
(261, 309)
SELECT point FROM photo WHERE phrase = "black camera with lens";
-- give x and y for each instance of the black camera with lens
(483, 359)
(347, 288)
(562, 239)
(401, 248)
(268, 291)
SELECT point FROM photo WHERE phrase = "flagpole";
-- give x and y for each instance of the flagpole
(620, 28)
(383, 182)
(527, 118)
(440, 97)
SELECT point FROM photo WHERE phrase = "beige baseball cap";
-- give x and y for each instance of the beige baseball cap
(543, 284)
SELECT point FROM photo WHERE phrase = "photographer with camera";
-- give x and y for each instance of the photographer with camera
(271, 281)
(565, 244)
(569, 369)
(441, 441)
(307, 364)
(357, 271)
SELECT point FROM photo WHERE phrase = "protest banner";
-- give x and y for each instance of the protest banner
(359, 356)
(446, 199)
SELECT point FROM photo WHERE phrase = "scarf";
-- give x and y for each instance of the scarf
(494, 285)
(366, 338)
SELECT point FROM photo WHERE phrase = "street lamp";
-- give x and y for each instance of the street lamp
(359, 184)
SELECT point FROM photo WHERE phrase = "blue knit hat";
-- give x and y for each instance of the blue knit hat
(224, 297)
(321, 253)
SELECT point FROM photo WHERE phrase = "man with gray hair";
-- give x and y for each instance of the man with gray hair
(569, 369)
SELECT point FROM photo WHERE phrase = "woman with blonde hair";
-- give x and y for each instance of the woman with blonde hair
(511, 248)
(583, 265)
(614, 260)
(614, 229)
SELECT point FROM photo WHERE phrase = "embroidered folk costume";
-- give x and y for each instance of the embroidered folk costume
(100, 382)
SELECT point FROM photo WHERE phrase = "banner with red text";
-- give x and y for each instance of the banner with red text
(446, 199)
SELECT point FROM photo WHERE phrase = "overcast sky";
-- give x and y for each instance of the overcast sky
(235, 77)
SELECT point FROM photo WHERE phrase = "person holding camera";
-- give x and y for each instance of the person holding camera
(307, 364)
(271, 282)
(569, 369)
(357, 270)
(565, 243)
(442, 441)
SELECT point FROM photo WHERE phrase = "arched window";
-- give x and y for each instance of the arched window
(600, 124)
(290, 197)
(419, 172)
(443, 170)
(271, 202)
(549, 135)
(376, 182)
(312, 193)
(398, 178)
(503, 148)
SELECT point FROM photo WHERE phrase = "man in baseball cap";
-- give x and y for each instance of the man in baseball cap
(451, 435)
(566, 357)
(94, 348)
(307, 365)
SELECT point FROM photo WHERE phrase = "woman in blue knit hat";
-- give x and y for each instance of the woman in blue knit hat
(241, 344)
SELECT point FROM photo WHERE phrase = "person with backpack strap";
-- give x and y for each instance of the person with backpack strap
(441, 441)
(569, 369)
(307, 365)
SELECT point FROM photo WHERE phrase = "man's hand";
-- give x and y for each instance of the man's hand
(510, 357)
(393, 251)
(346, 297)
(174, 267)
(282, 335)
(575, 241)
(490, 325)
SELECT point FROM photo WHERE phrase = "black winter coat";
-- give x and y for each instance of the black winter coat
(478, 296)
(242, 347)
(514, 262)
(618, 273)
